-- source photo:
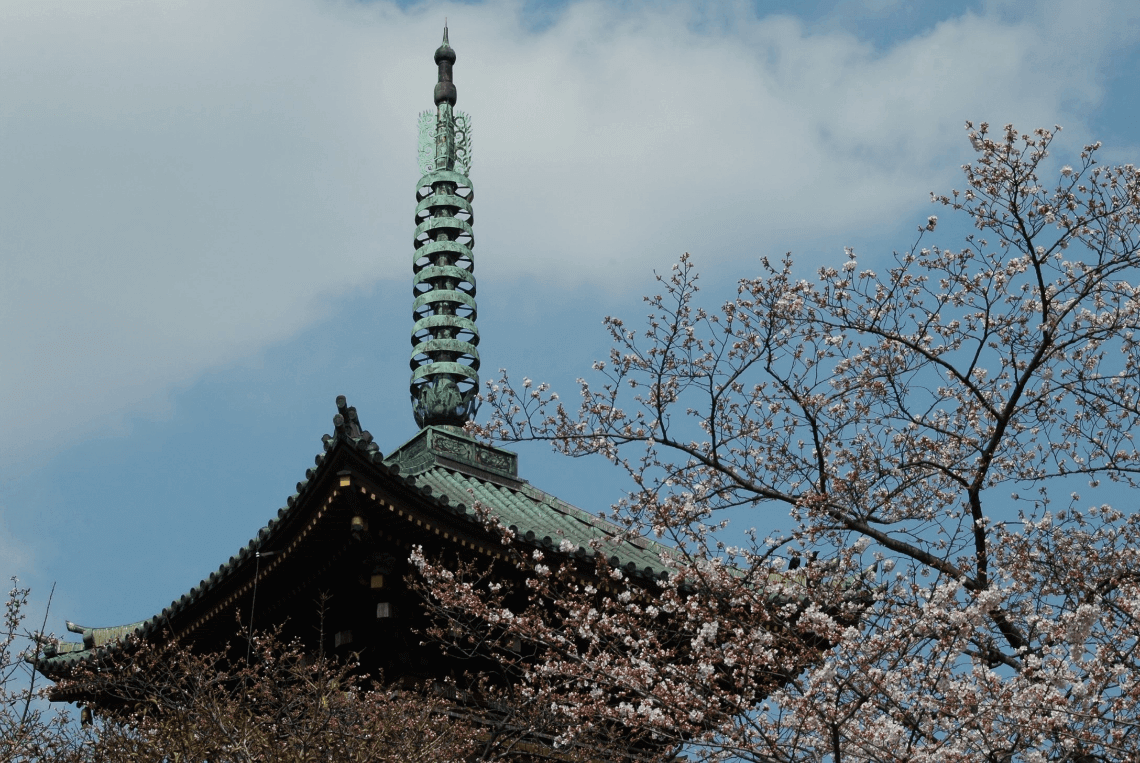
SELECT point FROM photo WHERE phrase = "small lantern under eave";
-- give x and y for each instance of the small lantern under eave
(359, 525)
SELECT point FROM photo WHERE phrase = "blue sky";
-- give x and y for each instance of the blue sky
(206, 219)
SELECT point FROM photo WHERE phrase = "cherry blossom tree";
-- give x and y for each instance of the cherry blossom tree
(943, 592)
(164, 702)
(268, 700)
(283, 702)
(27, 730)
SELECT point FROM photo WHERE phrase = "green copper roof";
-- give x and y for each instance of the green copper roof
(66, 652)
(546, 521)
(467, 471)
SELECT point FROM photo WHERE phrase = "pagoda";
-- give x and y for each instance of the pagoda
(345, 536)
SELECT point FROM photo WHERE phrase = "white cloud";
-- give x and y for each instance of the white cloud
(184, 183)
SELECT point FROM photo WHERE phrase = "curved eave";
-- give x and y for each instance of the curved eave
(222, 587)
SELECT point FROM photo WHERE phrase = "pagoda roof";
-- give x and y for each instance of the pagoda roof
(544, 520)
(440, 472)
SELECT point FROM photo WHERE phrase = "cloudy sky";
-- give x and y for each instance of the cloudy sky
(206, 218)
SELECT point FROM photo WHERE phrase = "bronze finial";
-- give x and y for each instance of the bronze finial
(445, 361)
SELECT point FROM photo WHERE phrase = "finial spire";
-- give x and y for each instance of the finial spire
(445, 361)
(445, 59)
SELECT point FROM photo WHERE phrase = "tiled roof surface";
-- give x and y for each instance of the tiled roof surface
(543, 519)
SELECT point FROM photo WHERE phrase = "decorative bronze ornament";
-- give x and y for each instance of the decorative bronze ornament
(445, 361)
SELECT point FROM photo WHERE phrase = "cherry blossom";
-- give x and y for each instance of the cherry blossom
(943, 592)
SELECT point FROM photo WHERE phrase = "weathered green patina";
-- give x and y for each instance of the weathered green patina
(445, 356)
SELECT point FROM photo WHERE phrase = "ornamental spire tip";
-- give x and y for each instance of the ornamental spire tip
(445, 59)
(445, 358)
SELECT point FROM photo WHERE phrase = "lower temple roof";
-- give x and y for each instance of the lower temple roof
(441, 470)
